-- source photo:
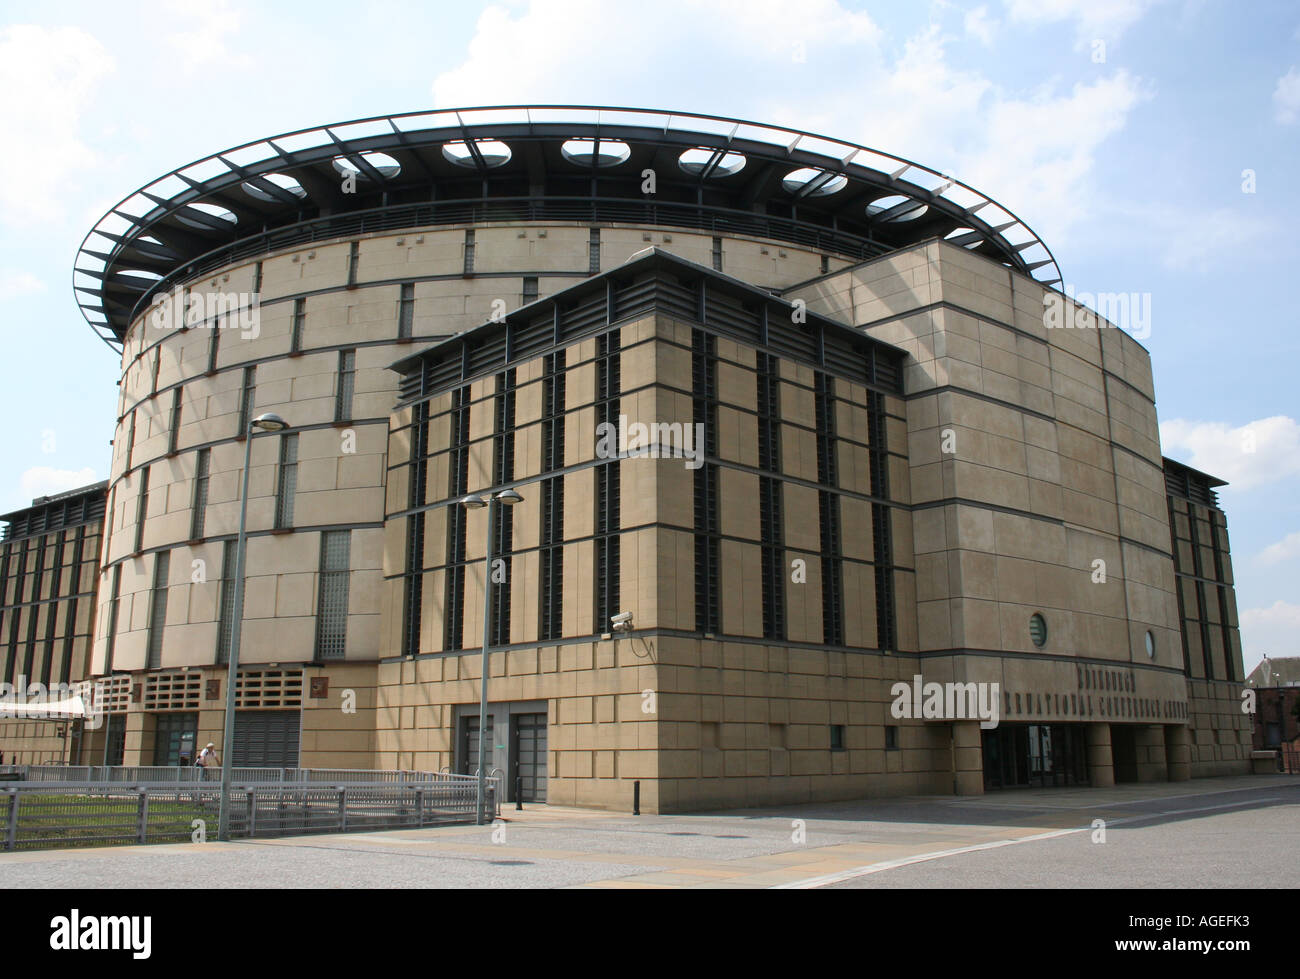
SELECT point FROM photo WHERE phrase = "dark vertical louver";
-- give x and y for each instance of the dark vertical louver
(551, 589)
(413, 596)
(607, 483)
(704, 391)
(886, 632)
(503, 471)
(457, 486)
(828, 507)
(771, 529)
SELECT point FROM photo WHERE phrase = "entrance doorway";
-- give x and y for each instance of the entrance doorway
(1124, 752)
(529, 776)
(469, 745)
(174, 737)
(1035, 755)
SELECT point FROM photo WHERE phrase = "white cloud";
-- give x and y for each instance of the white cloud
(1272, 631)
(14, 283)
(1194, 239)
(1286, 98)
(979, 26)
(1284, 550)
(556, 50)
(49, 76)
(46, 481)
(1103, 20)
(1247, 456)
(206, 41)
(1034, 150)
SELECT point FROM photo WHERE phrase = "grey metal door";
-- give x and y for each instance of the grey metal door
(266, 738)
(469, 745)
(530, 756)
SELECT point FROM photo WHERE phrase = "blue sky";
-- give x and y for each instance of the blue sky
(1120, 130)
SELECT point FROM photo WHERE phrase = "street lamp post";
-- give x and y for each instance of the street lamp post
(507, 497)
(268, 423)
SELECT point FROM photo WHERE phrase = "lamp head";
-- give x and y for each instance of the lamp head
(270, 422)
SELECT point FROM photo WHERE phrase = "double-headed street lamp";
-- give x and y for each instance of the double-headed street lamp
(474, 502)
(267, 423)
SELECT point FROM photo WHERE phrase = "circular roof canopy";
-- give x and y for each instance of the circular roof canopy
(522, 163)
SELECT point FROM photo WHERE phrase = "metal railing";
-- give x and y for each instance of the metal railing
(185, 774)
(111, 812)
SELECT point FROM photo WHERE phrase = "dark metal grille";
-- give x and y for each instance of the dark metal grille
(457, 479)
(704, 364)
(142, 508)
(503, 531)
(332, 606)
(406, 311)
(593, 252)
(551, 598)
(214, 343)
(130, 441)
(773, 570)
(469, 251)
(354, 260)
(174, 432)
(226, 616)
(607, 484)
(772, 536)
(299, 321)
(828, 506)
(881, 527)
(347, 385)
(111, 639)
(246, 400)
(288, 483)
(413, 594)
(158, 610)
(530, 289)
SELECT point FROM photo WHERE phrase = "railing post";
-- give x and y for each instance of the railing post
(519, 793)
(11, 831)
(142, 815)
(252, 812)
(343, 808)
(419, 806)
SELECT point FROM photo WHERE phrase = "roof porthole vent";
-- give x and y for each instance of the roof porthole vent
(585, 153)
(903, 212)
(492, 152)
(280, 180)
(810, 182)
(718, 162)
(199, 215)
(382, 162)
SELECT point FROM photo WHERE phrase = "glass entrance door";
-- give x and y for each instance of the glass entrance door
(174, 737)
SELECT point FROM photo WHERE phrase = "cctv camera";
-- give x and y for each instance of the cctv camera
(621, 622)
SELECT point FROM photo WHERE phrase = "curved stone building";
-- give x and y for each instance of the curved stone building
(905, 470)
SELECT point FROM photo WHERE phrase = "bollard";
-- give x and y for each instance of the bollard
(636, 798)
(519, 793)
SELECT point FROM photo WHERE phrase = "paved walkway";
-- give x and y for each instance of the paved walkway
(547, 846)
